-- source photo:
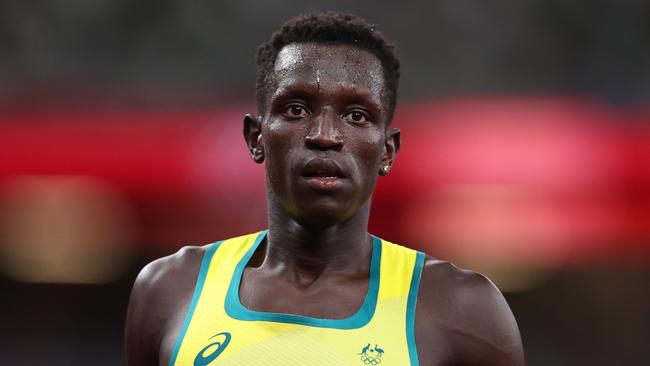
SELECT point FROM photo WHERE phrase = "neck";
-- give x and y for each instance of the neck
(297, 246)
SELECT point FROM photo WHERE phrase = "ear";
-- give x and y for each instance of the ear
(253, 137)
(391, 147)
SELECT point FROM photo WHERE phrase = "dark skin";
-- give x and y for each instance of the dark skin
(325, 137)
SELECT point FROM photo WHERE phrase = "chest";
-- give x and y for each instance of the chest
(432, 351)
(336, 297)
(370, 332)
(239, 319)
(381, 341)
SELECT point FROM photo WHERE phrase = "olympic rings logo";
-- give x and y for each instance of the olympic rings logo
(369, 360)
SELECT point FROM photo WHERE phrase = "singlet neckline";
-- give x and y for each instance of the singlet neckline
(235, 309)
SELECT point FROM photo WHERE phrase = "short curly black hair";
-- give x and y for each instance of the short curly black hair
(328, 27)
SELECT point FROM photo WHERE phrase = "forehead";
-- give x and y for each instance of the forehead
(329, 66)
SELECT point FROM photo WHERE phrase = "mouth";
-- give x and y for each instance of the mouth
(322, 168)
(324, 174)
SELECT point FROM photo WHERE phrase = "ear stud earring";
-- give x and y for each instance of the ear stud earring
(257, 154)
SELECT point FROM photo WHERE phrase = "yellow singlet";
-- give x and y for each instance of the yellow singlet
(219, 330)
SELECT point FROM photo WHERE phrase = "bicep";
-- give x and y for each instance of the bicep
(140, 332)
(487, 332)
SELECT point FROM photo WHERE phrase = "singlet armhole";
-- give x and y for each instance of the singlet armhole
(198, 288)
(410, 309)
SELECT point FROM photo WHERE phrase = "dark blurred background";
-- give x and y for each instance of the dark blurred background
(526, 156)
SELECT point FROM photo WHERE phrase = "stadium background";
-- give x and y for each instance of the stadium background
(526, 156)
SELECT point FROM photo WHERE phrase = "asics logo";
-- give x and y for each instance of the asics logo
(210, 352)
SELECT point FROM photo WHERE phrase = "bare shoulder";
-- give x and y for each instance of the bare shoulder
(154, 277)
(470, 313)
(161, 291)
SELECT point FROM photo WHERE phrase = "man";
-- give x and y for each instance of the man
(316, 288)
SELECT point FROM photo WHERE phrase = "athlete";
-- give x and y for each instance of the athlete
(316, 288)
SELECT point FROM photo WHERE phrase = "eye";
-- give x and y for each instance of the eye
(295, 111)
(358, 117)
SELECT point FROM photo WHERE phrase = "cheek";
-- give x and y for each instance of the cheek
(370, 150)
(278, 142)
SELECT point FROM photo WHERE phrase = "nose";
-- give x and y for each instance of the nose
(323, 133)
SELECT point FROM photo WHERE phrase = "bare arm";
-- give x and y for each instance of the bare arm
(487, 333)
(471, 316)
(141, 333)
(159, 301)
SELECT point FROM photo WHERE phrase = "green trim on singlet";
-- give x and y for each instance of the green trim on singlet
(205, 265)
(410, 308)
(236, 310)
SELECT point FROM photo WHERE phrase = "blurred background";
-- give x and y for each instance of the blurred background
(525, 156)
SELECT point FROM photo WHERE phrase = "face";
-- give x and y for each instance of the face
(324, 135)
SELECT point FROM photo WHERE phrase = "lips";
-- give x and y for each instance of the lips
(322, 168)
(324, 175)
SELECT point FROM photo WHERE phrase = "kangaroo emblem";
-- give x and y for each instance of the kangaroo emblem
(371, 356)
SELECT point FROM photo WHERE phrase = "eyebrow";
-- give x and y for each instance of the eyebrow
(307, 90)
(295, 89)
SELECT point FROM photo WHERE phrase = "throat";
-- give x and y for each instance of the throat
(308, 256)
(311, 272)
(298, 245)
(305, 279)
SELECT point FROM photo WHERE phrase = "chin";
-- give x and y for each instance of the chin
(320, 211)
(324, 214)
